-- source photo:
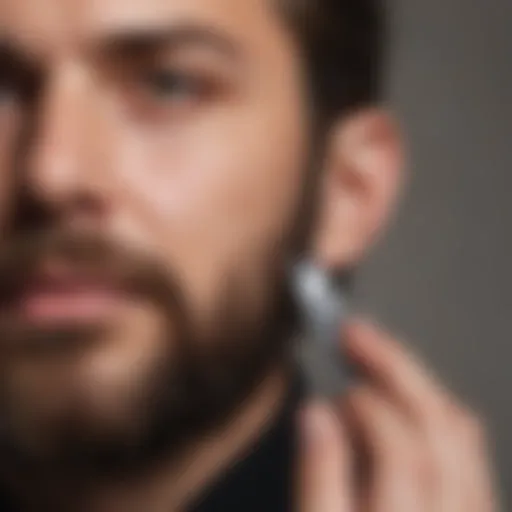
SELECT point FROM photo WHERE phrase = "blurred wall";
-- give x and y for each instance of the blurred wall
(443, 277)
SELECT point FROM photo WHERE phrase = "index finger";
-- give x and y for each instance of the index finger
(325, 481)
(390, 364)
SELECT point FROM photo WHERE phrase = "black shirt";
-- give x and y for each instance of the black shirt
(263, 480)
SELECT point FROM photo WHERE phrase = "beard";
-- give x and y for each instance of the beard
(192, 387)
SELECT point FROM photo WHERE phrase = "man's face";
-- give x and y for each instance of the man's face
(162, 149)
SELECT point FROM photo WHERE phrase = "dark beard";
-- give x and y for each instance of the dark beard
(192, 391)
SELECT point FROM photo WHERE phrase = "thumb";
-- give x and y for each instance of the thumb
(325, 479)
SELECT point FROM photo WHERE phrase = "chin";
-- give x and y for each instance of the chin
(62, 408)
(66, 418)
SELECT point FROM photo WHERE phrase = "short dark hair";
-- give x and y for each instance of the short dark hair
(343, 43)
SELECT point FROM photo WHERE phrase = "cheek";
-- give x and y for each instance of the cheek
(213, 194)
(214, 168)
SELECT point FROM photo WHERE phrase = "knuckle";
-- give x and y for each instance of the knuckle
(360, 399)
(416, 465)
(422, 470)
(418, 479)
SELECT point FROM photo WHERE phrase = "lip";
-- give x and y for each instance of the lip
(66, 299)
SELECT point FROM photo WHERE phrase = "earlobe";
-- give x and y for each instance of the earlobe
(362, 180)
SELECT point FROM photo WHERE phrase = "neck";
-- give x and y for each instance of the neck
(175, 483)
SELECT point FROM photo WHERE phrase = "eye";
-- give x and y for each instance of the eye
(9, 92)
(166, 92)
(18, 86)
(168, 85)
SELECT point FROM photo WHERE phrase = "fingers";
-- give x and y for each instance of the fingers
(325, 482)
(414, 469)
(466, 474)
(398, 371)
(400, 479)
(427, 452)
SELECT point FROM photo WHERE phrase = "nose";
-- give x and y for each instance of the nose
(63, 174)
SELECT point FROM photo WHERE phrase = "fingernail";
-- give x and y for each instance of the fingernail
(361, 330)
(315, 422)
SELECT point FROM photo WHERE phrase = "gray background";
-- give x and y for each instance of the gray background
(442, 277)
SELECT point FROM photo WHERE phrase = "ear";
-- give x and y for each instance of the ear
(362, 179)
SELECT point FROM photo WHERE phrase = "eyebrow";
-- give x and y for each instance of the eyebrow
(143, 40)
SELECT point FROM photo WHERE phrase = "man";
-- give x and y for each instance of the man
(171, 158)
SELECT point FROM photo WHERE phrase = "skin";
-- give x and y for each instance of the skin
(192, 177)
(426, 451)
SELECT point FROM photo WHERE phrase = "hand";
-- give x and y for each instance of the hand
(424, 452)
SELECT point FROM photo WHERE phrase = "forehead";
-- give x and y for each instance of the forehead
(49, 25)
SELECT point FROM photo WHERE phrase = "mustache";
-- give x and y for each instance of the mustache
(29, 256)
